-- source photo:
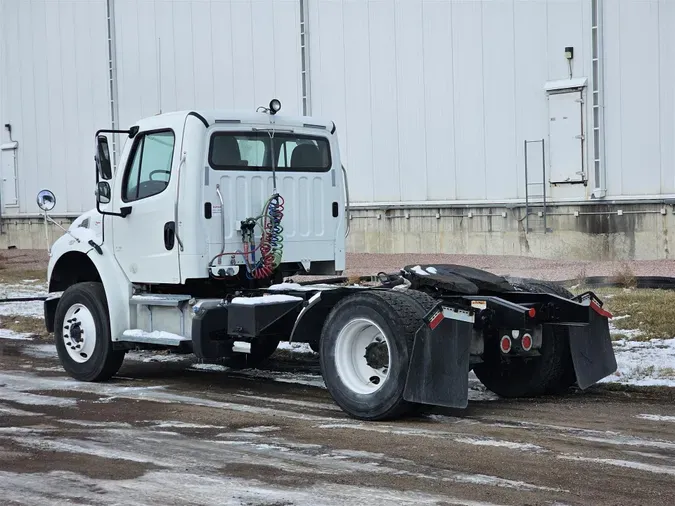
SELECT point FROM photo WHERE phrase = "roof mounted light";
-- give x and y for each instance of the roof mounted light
(275, 106)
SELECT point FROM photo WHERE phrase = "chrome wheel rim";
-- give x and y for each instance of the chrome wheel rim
(79, 333)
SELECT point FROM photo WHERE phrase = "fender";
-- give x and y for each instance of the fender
(118, 288)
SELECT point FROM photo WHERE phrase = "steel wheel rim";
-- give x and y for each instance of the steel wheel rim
(350, 356)
(79, 333)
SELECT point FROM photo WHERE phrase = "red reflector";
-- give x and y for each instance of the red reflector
(505, 344)
(532, 312)
(600, 311)
(526, 342)
(436, 320)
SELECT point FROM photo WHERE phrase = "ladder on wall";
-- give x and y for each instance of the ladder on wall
(537, 197)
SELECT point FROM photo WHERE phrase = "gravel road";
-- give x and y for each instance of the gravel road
(168, 431)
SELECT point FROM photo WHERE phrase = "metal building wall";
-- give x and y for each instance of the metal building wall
(434, 99)
(639, 43)
(211, 54)
(53, 69)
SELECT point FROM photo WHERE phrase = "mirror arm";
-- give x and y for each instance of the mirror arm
(51, 220)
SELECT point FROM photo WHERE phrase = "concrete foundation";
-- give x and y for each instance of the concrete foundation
(29, 233)
(631, 231)
(643, 231)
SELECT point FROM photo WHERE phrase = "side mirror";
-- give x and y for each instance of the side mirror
(103, 165)
(46, 200)
(103, 192)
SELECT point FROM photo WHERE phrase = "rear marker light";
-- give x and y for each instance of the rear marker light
(505, 344)
(436, 320)
(526, 342)
(532, 312)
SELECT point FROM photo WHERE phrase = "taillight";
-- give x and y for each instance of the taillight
(526, 342)
(505, 344)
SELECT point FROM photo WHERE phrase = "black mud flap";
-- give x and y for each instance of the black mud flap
(592, 352)
(439, 365)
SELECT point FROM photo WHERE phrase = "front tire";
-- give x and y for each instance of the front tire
(82, 334)
(365, 351)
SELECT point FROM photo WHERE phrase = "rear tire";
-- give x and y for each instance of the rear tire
(551, 373)
(82, 334)
(366, 388)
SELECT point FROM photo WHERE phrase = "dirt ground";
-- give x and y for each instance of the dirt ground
(361, 264)
(170, 431)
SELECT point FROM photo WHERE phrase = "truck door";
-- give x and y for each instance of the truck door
(145, 241)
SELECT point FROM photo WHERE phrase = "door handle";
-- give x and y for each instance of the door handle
(169, 235)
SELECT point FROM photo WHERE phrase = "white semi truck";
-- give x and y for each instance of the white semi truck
(208, 212)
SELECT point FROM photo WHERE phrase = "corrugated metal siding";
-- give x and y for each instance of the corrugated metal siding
(54, 95)
(640, 96)
(214, 53)
(433, 100)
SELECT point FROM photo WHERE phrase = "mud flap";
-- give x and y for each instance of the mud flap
(439, 366)
(592, 352)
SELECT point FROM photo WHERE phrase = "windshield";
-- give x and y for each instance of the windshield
(253, 151)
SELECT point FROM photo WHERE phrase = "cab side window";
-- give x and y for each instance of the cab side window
(149, 169)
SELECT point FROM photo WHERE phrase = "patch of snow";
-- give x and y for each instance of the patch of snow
(184, 425)
(260, 428)
(656, 418)
(14, 336)
(500, 443)
(155, 335)
(418, 270)
(644, 363)
(432, 270)
(7, 393)
(622, 440)
(97, 425)
(292, 402)
(210, 367)
(150, 356)
(615, 318)
(641, 466)
(302, 348)
(6, 410)
(168, 487)
(265, 299)
(34, 309)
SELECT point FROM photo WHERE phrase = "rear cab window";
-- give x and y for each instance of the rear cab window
(254, 151)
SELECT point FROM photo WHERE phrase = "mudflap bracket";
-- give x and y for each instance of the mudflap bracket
(591, 349)
(438, 373)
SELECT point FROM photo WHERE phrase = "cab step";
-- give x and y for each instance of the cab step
(158, 337)
(152, 299)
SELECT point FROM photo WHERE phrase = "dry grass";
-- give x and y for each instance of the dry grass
(9, 276)
(625, 276)
(650, 311)
(35, 327)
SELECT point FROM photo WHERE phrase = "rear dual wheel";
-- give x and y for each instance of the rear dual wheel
(548, 374)
(365, 350)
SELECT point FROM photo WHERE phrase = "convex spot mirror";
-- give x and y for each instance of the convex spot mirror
(102, 157)
(103, 192)
(46, 200)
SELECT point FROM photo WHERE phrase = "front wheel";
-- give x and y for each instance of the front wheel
(365, 350)
(82, 334)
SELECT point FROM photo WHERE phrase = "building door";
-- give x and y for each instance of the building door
(9, 196)
(566, 137)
